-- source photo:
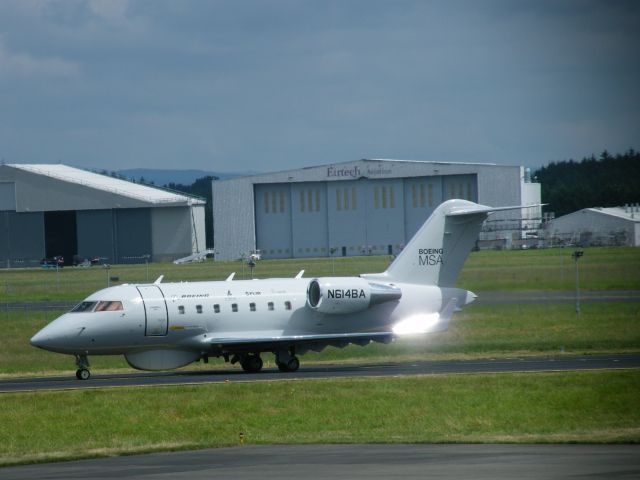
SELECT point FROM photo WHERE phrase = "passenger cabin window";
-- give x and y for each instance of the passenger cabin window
(287, 305)
(84, 307)
(181, 310)
(234, 307)
(109, 306)
(198, 308)
(216, 308)
(252, 307)
(270, 305)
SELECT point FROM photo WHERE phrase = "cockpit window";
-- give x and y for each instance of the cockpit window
(109, 306)
(84, 307)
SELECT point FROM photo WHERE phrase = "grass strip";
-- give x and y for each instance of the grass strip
(601, 268)
(586, 406)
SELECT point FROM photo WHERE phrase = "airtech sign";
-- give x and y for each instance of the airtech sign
(356, 171)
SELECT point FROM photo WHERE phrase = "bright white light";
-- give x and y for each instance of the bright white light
(421, 323)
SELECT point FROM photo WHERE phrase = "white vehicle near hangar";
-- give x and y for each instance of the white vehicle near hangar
(163, 326)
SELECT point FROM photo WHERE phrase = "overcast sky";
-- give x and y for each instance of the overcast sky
(269, 85)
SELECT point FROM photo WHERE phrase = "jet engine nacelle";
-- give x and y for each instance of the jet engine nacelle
(336, 295)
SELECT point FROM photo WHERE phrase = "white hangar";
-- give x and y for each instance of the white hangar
(596, 226)
(370, 206)
(53, 210)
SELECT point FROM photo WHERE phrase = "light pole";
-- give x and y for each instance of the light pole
(333, 250)
(576, 256)
(107, 267)
(146, 261)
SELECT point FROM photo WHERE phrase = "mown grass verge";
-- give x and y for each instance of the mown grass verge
(601, 268)
(593, 406)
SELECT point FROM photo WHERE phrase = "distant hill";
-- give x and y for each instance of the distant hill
(164, 177)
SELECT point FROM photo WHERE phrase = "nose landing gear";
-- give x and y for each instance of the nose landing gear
(82, 362)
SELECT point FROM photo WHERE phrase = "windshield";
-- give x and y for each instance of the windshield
(101, 306)
(109, 306)
(84, 307)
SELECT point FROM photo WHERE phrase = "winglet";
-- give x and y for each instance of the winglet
(158, 280)
(230, 277)
(299, 275)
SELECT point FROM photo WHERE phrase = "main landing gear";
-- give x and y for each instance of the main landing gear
(251, 363)
(287, 361)
(82, 362)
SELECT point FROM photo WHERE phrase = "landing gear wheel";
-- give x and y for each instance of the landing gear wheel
(82, 362)
(251, 363)
(290, 365)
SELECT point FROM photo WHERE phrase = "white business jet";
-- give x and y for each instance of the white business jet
(163, 326)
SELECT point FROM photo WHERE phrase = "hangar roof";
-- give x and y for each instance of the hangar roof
(630, 212)
(108, 184)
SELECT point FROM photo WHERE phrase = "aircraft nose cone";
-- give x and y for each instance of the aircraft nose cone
(49, 337)
(38, 340)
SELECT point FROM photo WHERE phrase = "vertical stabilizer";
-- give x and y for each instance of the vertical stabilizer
(437, 252)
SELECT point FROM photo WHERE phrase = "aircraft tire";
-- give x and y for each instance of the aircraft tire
(290, 366)
(83, 374)
(293, 364)
(251, 363)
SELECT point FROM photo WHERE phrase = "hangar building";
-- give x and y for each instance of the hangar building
(596, 226)
(51, 210)
(353, 208)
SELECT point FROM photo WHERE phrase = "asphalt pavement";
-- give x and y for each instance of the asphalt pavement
(235, 374)
(311, 462)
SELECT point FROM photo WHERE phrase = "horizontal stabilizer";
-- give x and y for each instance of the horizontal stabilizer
(488, 210)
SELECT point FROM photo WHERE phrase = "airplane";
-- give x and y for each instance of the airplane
(163, 326)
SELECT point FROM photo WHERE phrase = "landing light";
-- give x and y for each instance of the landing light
(421, 323)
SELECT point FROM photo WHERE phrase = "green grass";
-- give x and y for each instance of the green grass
(601, 268)
(477, 332)
(598, 406)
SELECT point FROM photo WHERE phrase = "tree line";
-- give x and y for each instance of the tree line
(606, 181)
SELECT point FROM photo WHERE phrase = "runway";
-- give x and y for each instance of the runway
(234, 374)
(312, 462)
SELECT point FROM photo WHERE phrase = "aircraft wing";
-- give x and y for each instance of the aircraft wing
(267, 340)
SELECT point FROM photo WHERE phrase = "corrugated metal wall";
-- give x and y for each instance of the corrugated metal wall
(273, 220)
(349, 217)
(309, 219)
(96, 234)
(116, 236)
(171, 233)
(241, 223)
(133, 234)
(22, 241)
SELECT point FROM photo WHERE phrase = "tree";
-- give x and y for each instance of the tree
(607, 181)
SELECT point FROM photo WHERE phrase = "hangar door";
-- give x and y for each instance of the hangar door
(155, 310)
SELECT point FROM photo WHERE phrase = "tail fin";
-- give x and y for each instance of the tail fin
(436, 253)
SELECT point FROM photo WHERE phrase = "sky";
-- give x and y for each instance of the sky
(258, 85)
